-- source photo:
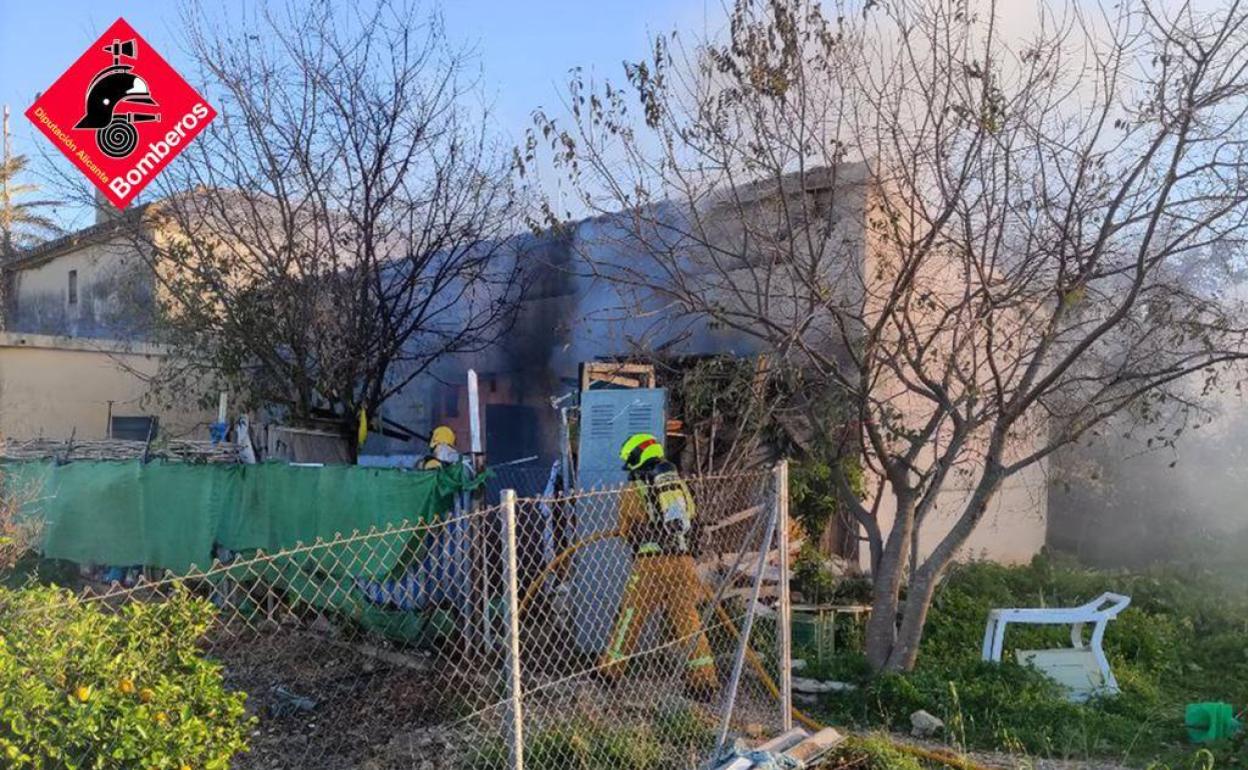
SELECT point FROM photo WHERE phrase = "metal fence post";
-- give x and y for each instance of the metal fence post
(512, 603)
(738, 661)
(784, 617)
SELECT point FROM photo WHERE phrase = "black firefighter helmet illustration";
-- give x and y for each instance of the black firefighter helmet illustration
(115, 133)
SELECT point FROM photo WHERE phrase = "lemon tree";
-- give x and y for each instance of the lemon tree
(86, 686)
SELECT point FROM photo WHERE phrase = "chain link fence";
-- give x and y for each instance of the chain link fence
(523, 633)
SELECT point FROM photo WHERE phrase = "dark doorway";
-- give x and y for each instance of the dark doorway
(510, 432)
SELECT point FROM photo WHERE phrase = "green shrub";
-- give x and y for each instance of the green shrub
(82, 686)
(811, 577)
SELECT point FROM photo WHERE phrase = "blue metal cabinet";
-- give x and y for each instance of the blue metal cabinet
(608, 417)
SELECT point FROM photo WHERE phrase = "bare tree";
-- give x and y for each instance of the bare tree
(976, 240)
(342, 224)
(20, 532)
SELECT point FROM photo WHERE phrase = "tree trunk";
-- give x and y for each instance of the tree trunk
(881, 630)
(881, 633)
(913, 617)
(923, 579)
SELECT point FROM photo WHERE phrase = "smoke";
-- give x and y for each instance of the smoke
(1124, 500)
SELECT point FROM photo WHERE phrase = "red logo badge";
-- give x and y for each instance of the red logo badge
(120, 113)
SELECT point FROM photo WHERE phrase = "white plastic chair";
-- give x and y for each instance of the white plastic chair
(1081, 668)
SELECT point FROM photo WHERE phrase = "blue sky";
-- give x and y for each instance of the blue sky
(524, 47)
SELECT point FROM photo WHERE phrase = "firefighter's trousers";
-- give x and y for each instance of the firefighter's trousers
(668, 584)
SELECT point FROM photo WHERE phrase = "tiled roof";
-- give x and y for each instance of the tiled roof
(87, 235)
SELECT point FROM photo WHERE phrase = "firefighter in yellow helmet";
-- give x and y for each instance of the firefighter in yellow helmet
(442, 449)
(656, 514)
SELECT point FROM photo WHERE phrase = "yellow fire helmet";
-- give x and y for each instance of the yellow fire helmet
(639, 449)
(442, 435)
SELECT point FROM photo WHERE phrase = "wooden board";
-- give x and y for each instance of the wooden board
(816, 745)
(626, 375)
(780, 743)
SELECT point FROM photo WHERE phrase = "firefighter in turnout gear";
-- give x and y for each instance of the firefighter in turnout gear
(656, 516)
(442, 451)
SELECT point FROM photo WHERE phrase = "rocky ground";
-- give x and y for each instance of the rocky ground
(320, 706)
(324, 703)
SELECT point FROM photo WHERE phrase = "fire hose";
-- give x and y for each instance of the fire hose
(944, 758)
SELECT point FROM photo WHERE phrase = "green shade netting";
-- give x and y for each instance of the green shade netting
(339, 594)
(169, 515)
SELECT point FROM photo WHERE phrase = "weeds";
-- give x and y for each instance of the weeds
(871, 752)
(674, 737)
(1184, 639)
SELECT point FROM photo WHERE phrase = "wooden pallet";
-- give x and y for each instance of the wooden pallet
(617, 374)
(796, 744)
